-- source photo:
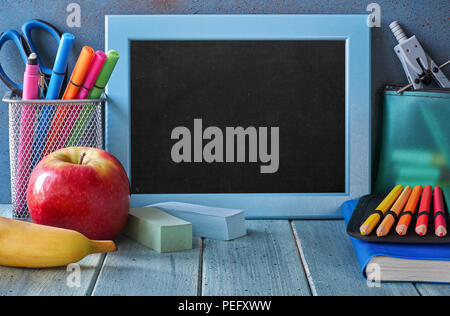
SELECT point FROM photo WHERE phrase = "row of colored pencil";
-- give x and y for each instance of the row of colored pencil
(400, 206)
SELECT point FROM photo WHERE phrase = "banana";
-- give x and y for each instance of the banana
(28, 245)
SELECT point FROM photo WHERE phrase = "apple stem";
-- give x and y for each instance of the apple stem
(81, 158)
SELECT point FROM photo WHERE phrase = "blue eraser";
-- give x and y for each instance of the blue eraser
(208, 222)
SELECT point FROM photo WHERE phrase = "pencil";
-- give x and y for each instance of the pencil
(424, 210)
(391, 216)
(408, 212)
(439, 213)
(369, 225)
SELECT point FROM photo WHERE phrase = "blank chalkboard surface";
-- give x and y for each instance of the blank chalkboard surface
(238, 116)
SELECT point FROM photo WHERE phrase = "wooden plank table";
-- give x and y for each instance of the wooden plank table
(303, 257)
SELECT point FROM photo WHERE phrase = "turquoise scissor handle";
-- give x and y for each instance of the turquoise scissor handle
(14, 36)
(29, 26)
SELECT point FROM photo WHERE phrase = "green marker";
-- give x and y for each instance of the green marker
(112, 56)
(96, 92)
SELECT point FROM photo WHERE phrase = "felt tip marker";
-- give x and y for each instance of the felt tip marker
(408, 212)
(30, 91)
(31, 79)
(424, 211)
(372, 221)
(59, 67)
(96, 66)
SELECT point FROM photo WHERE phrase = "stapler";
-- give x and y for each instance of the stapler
(420, 69)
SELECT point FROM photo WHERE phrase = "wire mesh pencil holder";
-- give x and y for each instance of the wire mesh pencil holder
(40, 127)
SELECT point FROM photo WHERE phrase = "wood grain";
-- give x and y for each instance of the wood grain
(140, 271)
(433, 289)
(265, 262)
(331, 262)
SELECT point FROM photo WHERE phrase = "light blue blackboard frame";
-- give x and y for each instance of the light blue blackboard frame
(353, 29)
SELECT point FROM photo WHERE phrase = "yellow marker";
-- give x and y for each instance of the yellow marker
(374, 219)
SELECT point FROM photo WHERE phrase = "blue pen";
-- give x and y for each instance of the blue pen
(53, 91)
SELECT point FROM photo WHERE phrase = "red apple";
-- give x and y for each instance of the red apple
(80, 188)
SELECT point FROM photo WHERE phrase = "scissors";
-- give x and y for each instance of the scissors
(25, 45)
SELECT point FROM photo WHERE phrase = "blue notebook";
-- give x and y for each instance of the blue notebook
(429, 263)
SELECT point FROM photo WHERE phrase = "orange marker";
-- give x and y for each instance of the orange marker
(408, 212)
(424, 211)
(389, 218)
(79, 73)
(55, 138)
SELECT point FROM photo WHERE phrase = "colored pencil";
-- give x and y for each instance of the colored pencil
(369, 225)
(424, 211)
(408, 212)
(440, 222)
(389, 219)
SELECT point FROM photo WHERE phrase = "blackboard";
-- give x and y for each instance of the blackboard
(297, 87)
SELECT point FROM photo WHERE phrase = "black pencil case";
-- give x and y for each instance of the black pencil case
(366, 206)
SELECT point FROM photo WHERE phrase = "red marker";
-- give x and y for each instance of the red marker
(424, 211)
(439, 213)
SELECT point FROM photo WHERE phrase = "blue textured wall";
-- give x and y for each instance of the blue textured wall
(428, 19)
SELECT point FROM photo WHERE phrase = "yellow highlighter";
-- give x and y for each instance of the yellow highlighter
(373, 220)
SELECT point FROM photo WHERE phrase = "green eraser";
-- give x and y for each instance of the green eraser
(158, 230)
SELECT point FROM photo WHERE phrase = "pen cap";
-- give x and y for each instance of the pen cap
(425, 201)
(79, 73)
(32, 66)
(103, 78)
(96, 66)
(31, 79)
(82, 66)
(438, 199)
(62, 56)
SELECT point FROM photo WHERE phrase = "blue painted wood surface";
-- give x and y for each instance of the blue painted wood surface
(276, 258)
(332, 264)
(136, 270)
(265, 262)
(433, 289)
